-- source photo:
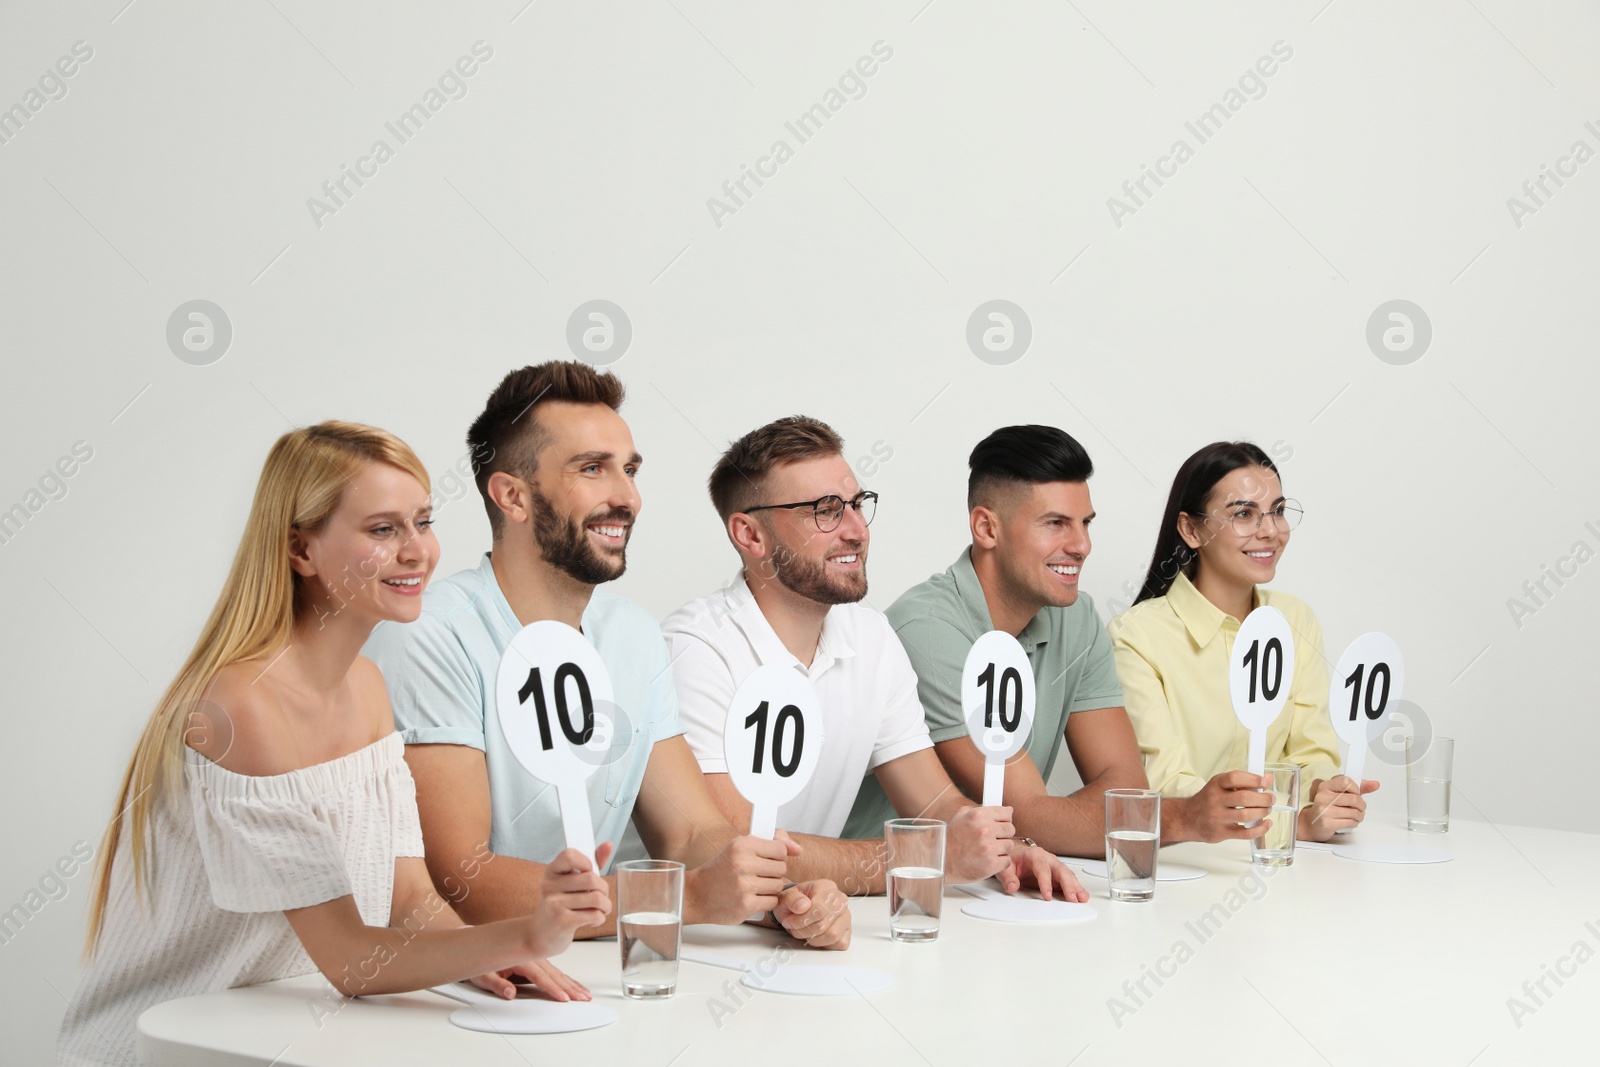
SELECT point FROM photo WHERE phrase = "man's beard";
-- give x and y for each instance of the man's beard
(810, 578)
(565, 545)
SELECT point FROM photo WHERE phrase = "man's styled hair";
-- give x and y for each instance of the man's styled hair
(507, 436)
(1023, 455)
(738, 479)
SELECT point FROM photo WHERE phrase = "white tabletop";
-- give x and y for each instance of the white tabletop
(1330, 961)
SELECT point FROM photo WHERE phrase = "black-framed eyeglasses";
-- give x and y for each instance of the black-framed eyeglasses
(829, 510)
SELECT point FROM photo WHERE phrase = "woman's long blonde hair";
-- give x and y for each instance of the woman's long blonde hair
(301, 484)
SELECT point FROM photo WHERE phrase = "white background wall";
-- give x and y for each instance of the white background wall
(977, 165)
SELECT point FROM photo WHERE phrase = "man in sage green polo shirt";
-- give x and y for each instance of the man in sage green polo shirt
(1029, 512)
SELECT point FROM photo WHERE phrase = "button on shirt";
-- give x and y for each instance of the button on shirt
(441, 674)
(937, 622)
(866, 692)
(1173, 654)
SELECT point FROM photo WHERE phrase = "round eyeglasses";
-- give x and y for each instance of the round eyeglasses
(828, 511)
(1246, 519)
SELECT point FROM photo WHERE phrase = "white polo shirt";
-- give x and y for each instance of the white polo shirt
(865, 686)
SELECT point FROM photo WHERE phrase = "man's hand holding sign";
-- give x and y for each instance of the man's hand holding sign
(997, 699)
(772, 740)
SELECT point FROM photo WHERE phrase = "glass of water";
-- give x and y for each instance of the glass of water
(1275, 848)
(650, 920)
(1133, 836)
(1428, 784)
(916, 877)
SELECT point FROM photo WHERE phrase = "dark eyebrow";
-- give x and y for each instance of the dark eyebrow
(603, 457)
(1061, 515)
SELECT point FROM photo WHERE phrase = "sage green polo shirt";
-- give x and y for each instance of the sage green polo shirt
(937, 622)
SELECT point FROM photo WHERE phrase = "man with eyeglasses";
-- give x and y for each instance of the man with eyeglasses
(797, 518)
(1029, 512)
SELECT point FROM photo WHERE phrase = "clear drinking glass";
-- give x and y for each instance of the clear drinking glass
(1428, 785)
(916, 877)
(1275, 848)
(1133, 837)
(649, 925)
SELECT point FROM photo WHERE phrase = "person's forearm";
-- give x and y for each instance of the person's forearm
(1308, 828)
(854, 866)
(698, 848)
(1178, 815)
(1075, 825)
(424, 944)
(378, 959)
(1176, 823)
(946, 805)
(425, 909)
(1067, 826)
(694, 853)
(505, 887)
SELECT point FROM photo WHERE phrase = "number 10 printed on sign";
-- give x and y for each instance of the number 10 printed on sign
(550, 680)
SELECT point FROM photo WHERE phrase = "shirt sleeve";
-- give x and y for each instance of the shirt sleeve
(1312, 745)
(435, 688)
(703, 688)
(1167, 761)
(903, 729)
(666, 719)
(1098, 686)
(266, 848)
(926, 642)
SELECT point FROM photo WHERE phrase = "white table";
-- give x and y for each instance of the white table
(1331, 961)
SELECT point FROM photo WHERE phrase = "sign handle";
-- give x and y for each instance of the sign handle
(1355, 762)
(763, 823)
(994, 783)
(764, 820)
(1257, 763)
(575, 824)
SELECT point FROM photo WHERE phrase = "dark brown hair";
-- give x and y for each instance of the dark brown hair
(1191, 489)
(507, 436)
(736, 480)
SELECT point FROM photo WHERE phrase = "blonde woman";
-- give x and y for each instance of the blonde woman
(267, 824)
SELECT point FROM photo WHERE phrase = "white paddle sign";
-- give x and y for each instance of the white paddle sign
(772, 740)
(550, 680)
(1369, 680)
(1260, 673)
(997, 701)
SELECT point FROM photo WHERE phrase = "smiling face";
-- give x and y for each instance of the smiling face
(584, 497)
(373, 557)
(1041, 540)
(831, 567)
(1238, 559)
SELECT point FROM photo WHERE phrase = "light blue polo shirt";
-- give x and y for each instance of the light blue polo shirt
(441, 673)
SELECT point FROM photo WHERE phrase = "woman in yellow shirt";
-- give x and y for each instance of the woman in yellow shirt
(1225, 528)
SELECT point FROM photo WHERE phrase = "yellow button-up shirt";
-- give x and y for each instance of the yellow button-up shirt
(1172, 655)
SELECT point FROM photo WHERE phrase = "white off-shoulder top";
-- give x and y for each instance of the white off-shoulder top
(229, 854)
